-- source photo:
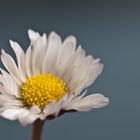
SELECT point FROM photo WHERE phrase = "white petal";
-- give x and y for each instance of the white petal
(42, 116)
(31, 119)
(51, 109)
(97, 60)
(28, 61)
(80, 74)
(39, 50)
(65, 55)
(11, 114)
(94, 72)
(3, 90)
(85, 74)
(32, 53)
(54, 44)
(88, 102)
(65, 101)
(96, 100)
(29, 116)
(35, 109)
(23, 117)
(62, 100)
(5, 98)
(3, 82)
(10, 65)
(74, 64)
(10, 84)
(20, 58)
(7, 101)
(33, 35)
(70, 40)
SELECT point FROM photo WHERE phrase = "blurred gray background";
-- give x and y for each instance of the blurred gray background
(106, 29)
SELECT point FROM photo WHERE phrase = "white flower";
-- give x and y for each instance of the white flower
(48, 80)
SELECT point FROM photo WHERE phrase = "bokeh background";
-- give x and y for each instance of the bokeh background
(106, 29)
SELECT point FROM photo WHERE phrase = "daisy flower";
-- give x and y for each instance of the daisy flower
(48, 80)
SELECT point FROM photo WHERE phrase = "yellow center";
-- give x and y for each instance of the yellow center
(41, 89)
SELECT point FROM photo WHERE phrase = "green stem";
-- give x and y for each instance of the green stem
(37, 129)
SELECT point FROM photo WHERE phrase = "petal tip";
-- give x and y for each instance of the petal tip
(32, 34)
(107, 100)
(2, 51)
(53, 34)
(30, 31)
(12, 43)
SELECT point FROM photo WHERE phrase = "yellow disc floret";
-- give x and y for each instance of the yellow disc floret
(41, 89)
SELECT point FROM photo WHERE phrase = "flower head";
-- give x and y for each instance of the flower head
(50, 78)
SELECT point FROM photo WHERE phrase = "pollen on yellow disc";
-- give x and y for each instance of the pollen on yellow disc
(41, 89)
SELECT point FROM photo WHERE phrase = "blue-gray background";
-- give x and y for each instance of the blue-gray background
(106, 29)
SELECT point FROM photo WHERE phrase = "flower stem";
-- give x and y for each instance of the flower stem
(37, 129)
